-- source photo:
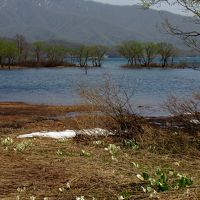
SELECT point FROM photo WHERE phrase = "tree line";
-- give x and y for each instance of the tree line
(144, 53)
(21, 53)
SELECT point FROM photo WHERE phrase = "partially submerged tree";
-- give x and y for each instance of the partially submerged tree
(83, 54)
(11, 52)
(23, 48)
(97, 54)
(150, 51)
(2, 51)
(8, 52)
(61, 53)
(56, 53)
(144, 53)
(72, 55)
(132, 51)
(166, 51)
(38, 48)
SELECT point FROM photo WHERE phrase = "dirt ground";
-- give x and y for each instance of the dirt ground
(67, 169)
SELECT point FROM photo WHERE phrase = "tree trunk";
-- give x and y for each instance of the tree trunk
(9, 62)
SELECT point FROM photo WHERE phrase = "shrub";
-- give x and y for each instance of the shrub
(115, 105)
(84, 153)
(60, 153)
(185, 112)
(98, 143)
(132, 144)
(112, 149)
(80, 198)
(164, 181)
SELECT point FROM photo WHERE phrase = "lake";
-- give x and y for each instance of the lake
(59, 85)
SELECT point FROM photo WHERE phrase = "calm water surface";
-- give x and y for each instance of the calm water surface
(59, 86)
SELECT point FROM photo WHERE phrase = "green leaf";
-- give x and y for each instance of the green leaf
(145, 176)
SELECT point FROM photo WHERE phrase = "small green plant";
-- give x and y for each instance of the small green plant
(113, 149)
(62, 140)
(83, 198)
(163, 181)
(125, 195)
(60, 153)
(61, 189)
(7, 141)
(98, 143)
(136, 165)
(84, 153)
(80, 198)
(65, 187)
(22, 146)
(198, 144)
(183, 181)
(32, 198)
(132, 144)
(21, 190)
(17, 197)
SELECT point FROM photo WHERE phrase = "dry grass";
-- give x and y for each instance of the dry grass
(42, 170)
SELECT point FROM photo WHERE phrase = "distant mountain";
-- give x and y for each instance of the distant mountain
(82, 21)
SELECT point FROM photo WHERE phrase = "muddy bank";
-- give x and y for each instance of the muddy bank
(20, 116)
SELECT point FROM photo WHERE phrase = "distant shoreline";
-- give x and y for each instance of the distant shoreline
(14, 67)
(155, 65)
(152, 66)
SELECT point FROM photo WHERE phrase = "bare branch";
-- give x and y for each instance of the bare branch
(114, 103)
(190, 38)
(186, 112)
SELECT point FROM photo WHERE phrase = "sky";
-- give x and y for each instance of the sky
(174, 9)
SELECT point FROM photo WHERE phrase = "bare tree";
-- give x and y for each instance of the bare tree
(23, 48)
(191, 37)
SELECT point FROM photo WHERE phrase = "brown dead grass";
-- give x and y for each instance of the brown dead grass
(42, 171)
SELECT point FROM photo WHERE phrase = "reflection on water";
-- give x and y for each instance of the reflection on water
(59, 86)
